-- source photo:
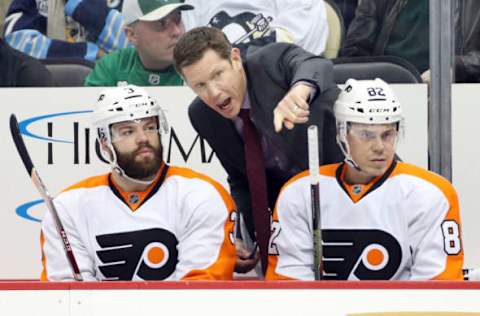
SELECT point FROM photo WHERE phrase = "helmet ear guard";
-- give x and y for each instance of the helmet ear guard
(162, 121)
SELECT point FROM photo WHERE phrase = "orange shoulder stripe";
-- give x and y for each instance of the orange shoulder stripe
(437, 180)
(329, 170)
(326, 170)
(91, 182)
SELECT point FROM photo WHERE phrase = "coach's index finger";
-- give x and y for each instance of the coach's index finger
(278, 118)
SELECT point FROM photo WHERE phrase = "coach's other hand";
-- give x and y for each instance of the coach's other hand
(246, 260)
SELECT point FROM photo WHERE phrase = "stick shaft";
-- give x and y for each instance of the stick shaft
(315, 200)
(42, 189)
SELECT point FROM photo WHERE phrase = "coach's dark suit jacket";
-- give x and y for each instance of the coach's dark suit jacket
(271, 70)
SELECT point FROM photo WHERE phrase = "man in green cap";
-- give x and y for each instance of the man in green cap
(153, 27)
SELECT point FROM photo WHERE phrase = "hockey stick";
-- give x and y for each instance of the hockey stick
(315, 200)
(37, 181)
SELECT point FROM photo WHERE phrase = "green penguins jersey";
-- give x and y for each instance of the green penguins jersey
(404, 225)
(180, 228)
(124, 66)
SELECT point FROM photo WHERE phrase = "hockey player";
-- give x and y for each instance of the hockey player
(145, 220)
(381, 219)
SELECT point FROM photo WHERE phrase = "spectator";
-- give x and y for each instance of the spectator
(277, 84)
(85, 29)
(144, 220)
(381, 219)
(264, 21)
(153, 30)
(401, 28)
(20, 70)
(347, 8)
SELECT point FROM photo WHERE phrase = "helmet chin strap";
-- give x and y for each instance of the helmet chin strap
(352, 163)
(346, 152)
(114, 164)
(122, 174)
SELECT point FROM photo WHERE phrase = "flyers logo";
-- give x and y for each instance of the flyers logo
(364, 254)
(150, 254)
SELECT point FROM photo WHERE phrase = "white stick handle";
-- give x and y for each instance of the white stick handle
(313, 153)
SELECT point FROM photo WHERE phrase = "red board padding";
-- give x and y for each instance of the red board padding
(238, 285)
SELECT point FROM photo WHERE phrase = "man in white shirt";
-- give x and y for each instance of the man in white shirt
(302, 22)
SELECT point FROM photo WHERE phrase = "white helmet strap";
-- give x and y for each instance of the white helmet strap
(345, 148)
(112, 160)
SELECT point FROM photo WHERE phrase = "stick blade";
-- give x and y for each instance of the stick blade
(20, 144)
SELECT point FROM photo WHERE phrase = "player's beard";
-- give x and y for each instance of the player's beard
(140, 169)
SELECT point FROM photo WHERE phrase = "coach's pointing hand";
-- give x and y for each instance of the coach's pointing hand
(293, 108)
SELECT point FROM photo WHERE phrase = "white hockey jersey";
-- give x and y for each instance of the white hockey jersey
(181, 227)
(404, 225)
(303, 22)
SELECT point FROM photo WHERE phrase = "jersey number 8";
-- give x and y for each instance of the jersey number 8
(451, 237)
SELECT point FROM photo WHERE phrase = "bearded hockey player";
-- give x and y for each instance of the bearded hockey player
(145, 220)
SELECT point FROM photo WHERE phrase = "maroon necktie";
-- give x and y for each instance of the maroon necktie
(257, 184)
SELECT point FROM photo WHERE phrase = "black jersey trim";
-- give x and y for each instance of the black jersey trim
(154, 190)
(376, 185)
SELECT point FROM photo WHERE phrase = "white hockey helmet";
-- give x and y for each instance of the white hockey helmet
(366, 102)
(127, 103)
(120, 104)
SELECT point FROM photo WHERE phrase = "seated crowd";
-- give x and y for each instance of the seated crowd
(127, 45)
